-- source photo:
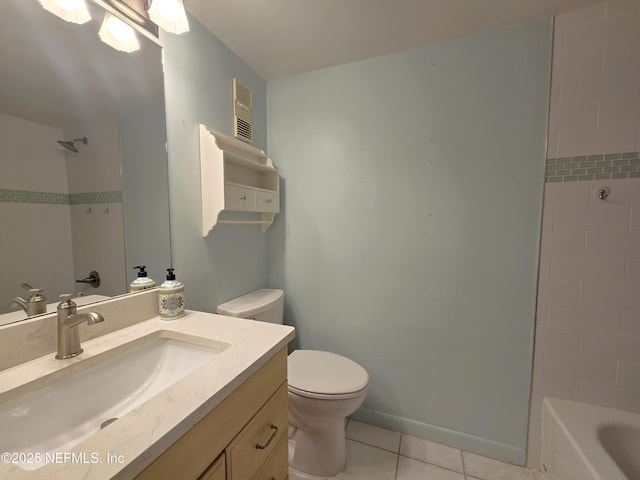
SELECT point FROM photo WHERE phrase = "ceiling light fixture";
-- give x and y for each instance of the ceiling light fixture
(74, 11)
(169, 15)
(117, 34)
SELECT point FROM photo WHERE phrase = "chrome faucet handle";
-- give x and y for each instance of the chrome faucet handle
(35, 304)
(34, 292)
(66, 300)
(93, 279)
(65, 297)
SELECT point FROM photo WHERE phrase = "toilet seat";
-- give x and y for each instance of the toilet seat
(325, 375)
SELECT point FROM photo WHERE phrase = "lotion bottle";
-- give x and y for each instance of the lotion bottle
(143, 281)
(171, 297)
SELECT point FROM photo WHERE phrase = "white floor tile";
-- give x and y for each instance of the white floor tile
(365, 462)
(539, 475)
(431, 452)
(375, 436)
(489, 469)
(295, 475)
(409, 469)
(372, 455)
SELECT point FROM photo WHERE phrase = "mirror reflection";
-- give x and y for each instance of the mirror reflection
(82, 140)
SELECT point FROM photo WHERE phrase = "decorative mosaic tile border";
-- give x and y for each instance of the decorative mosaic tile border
(26, 196)
(593, 167)
(51, 198)
(114, 196)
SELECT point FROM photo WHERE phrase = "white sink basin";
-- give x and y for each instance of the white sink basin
(80, 398)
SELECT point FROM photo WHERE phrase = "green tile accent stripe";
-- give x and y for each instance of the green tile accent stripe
(95, 197)
(52, 198)
(593, 167)
(26, 196)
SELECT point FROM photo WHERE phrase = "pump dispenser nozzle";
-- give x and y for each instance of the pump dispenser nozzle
(170, 274)
(142, 272)
(143, 281)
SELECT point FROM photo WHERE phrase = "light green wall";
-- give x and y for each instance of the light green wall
(232, 259)
(412, 196)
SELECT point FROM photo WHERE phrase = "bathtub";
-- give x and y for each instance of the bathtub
(588, 442)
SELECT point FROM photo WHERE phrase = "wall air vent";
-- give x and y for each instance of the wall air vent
(242, 103)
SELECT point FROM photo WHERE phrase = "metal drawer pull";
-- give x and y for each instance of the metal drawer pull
(243, 197)
(273, 435)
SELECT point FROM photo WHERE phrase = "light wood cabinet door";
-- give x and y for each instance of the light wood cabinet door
(251, 449)
(277, 467)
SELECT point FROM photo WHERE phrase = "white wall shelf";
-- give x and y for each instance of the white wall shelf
(240, 185)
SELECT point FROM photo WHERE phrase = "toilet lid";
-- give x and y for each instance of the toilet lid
(326, 373)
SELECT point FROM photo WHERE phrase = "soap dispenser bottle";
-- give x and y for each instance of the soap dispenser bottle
(171, 297)
(143, 281)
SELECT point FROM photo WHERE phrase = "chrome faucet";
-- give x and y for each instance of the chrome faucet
(68, 321)
(35, 304)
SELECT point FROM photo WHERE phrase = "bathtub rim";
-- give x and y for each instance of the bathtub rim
(583, 420)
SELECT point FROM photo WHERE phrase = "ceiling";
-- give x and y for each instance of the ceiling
(278, 38)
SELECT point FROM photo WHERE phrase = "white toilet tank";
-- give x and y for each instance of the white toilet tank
(265, 305)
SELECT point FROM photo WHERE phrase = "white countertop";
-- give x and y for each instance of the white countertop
(139, 437)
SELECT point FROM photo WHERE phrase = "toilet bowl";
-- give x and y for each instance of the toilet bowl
(324, 388)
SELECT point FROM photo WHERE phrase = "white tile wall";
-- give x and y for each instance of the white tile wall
(76, 242)
(595, 105)
(96, 167)
(29, 249)
(587, 344)
(31, 158)
(588, 320)
(97, 233)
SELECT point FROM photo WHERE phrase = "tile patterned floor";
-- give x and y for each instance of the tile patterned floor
(374, 453)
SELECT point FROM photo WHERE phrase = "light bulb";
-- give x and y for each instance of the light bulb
(169, 15)
(74, 11)
(117, 34)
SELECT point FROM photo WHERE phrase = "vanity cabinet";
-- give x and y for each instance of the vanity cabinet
(216, 470)
(243, 438)
(239, 182)
(252, 449)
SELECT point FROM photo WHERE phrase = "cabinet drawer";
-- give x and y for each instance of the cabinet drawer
(216, 470)
(239, 198)
(245, 457)
(267, 202)
(277, 467)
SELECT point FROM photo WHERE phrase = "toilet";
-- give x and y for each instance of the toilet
(324, 388)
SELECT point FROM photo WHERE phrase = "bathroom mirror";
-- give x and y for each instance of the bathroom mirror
(83, 174)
